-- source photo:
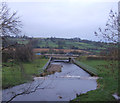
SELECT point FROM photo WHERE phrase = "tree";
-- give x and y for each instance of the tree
(111, 33)
(10, 23)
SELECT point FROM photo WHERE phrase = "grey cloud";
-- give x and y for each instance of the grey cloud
(63, 19)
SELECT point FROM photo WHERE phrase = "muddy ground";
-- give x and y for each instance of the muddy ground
(52, 68)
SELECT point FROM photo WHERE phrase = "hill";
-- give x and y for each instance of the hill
(63, 43)
(73, 43)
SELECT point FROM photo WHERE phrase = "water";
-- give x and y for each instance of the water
(62, 86)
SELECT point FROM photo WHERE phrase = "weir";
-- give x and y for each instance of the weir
(65, 60)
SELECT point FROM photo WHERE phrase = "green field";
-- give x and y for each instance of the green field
(107, 86)
(63, 43)
(67, 44)
(13, 75)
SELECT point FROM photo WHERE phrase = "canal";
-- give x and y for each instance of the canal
(60, 86)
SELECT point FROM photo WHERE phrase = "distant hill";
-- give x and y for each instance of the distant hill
(63, 43)
(73, 43)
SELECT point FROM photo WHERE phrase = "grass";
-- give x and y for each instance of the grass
(107, 86)
(13, 75)
(87, 68)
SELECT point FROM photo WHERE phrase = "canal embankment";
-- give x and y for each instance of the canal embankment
(92, 71)
(50, 68)
(107, 86)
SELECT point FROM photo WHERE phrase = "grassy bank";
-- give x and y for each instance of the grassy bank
(12, 74)
(107, 86)
(92, 71)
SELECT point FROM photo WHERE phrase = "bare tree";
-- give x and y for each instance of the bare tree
(110, 33)
(9, 22)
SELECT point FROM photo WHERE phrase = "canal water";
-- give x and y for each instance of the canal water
(60, 86)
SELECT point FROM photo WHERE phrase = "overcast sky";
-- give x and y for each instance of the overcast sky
(63, 18)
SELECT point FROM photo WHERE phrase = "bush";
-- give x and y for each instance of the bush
(24, 53)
